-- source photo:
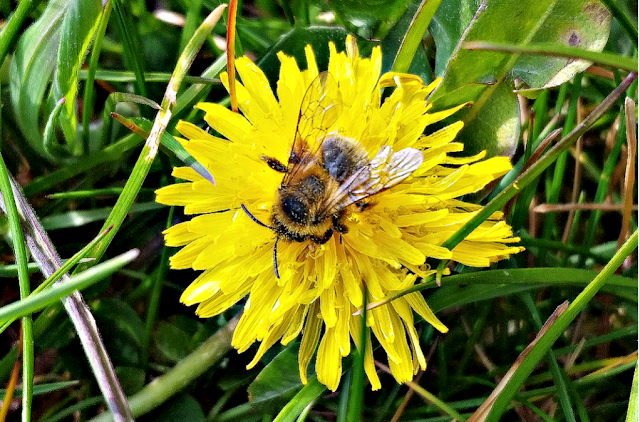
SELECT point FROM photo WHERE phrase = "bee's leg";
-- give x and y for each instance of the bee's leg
(275, 164)
(361, 205)
(337, 223)
(275, 257)
(324, 239)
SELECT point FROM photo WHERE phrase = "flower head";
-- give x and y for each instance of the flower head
(384, 239)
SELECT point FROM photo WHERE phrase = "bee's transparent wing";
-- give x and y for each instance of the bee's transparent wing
(385, 170)
(320, 109)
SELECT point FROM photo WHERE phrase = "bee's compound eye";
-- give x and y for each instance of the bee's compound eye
(294, 209)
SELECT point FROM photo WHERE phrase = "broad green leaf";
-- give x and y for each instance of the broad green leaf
(78, 28)
(31, 68)
(447, 26)
(277, 382)
(172, 342)
(131, 379)
(583, 23)
(369, 18)
(121, 329)
(183, 408)
(496, 127)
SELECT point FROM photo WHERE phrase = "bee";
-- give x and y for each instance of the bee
(328, 174)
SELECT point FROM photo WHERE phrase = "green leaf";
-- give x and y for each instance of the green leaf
(131, 379)
(277, 382)
(172, 342)
(182, 408)
(496, 127)
(472, 75)
(31, 68)
(122, 330)
(369, 18)
(583, 23)
(78, 28)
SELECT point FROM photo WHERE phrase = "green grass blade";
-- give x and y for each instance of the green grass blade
(536, 169)
(88, 97)
(559, 377)
(632, 412)
(110, 153)
(300, 401)
(558, 327)
(559, 50)
(20, 252)
(133, 54)
(150, 149)
(80, 281)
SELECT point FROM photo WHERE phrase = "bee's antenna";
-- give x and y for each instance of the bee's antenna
(255, 220)
(275, 245)
(275, 257)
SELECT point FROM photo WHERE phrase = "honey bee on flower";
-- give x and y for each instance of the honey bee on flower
(363, 200)
(328, 173)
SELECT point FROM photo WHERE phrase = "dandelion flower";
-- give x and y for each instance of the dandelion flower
(383, 246)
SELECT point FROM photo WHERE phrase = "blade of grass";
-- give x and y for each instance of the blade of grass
(536, 169)
(133, 55)
(150, 149)
(559, 378)
(413, 37)
(632, 412)
(300, 401)
(527, 278)
(154, 298)
(12, 29)
(60, 272)
(558, 327)
(560, 50)
(20, 253)
(36, 302)
(111, 153)
(45, 254)
(87, 103)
